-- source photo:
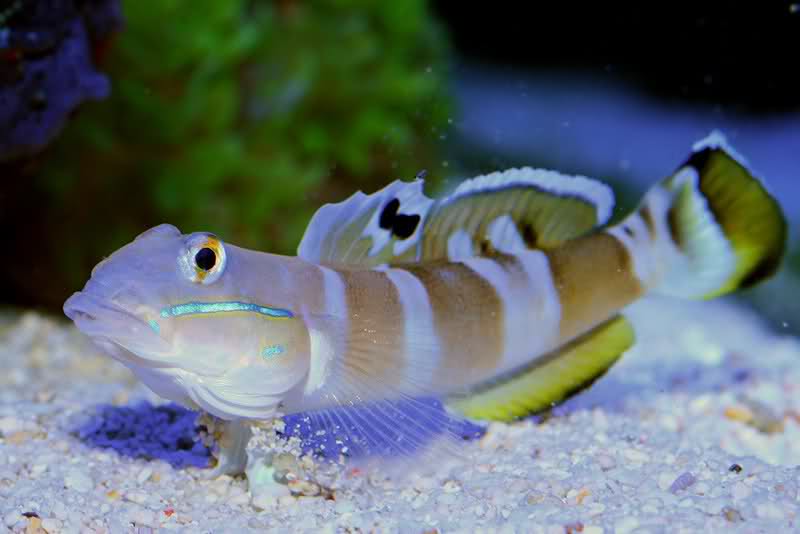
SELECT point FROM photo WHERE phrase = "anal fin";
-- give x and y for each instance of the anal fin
(550, 378)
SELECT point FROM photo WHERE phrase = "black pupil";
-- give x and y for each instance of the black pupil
(205, 259)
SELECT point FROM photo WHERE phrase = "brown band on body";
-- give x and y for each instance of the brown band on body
(594, 277)
(468, 318)
(375, 342)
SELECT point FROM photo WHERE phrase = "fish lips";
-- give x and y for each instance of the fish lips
(110, 325)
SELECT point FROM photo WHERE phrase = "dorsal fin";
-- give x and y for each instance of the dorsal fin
(514, 210)
(550, 378)
(503, 211)
(368, 230)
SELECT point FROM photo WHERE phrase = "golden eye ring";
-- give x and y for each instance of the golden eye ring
(204, 259)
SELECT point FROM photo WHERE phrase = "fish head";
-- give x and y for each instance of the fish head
(178, 311)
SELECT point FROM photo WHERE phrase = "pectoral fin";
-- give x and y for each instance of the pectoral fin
(549, 379)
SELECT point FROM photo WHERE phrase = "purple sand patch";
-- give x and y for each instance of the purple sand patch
(167, 432)
(170, 432)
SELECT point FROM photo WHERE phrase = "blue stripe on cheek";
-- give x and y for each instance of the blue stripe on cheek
(193, 308)
(272, 351)
(154, 326)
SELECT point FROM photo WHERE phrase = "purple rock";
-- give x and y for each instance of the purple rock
(46, 67)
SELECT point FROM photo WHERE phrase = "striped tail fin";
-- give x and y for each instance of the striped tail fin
(716, 226)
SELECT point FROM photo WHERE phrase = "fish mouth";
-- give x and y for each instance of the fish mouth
(111, 326)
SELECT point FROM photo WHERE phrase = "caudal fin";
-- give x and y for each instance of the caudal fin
(716, 226)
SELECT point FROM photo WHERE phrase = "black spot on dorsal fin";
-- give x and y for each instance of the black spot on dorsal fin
(388, 214)
(400, 225)
(404, 225)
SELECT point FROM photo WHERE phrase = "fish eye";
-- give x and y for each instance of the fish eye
(204, 259)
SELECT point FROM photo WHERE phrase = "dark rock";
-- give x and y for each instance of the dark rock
(47, 68)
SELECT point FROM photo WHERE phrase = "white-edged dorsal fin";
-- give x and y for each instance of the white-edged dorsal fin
(368, 230)
(513, 210)
(503, 211)
(562, 185)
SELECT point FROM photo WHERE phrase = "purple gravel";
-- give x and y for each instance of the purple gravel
(682, 482)
(167, 432)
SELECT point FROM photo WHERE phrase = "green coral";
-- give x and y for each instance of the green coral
(241, 117)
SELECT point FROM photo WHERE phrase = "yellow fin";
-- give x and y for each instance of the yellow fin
(731, 231)
(514, 210)
(550, 378)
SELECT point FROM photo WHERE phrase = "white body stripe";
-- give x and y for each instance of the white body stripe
(323, 348)
(459, 245)
(706, 259)
(503, 234)
(640, 248)
(633, 234)
(420, 337)
(659, 263)
(322, 355)
(335, 297)
(663, 250)
(542, 306)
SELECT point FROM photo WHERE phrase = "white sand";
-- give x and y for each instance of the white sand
(655, 456)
